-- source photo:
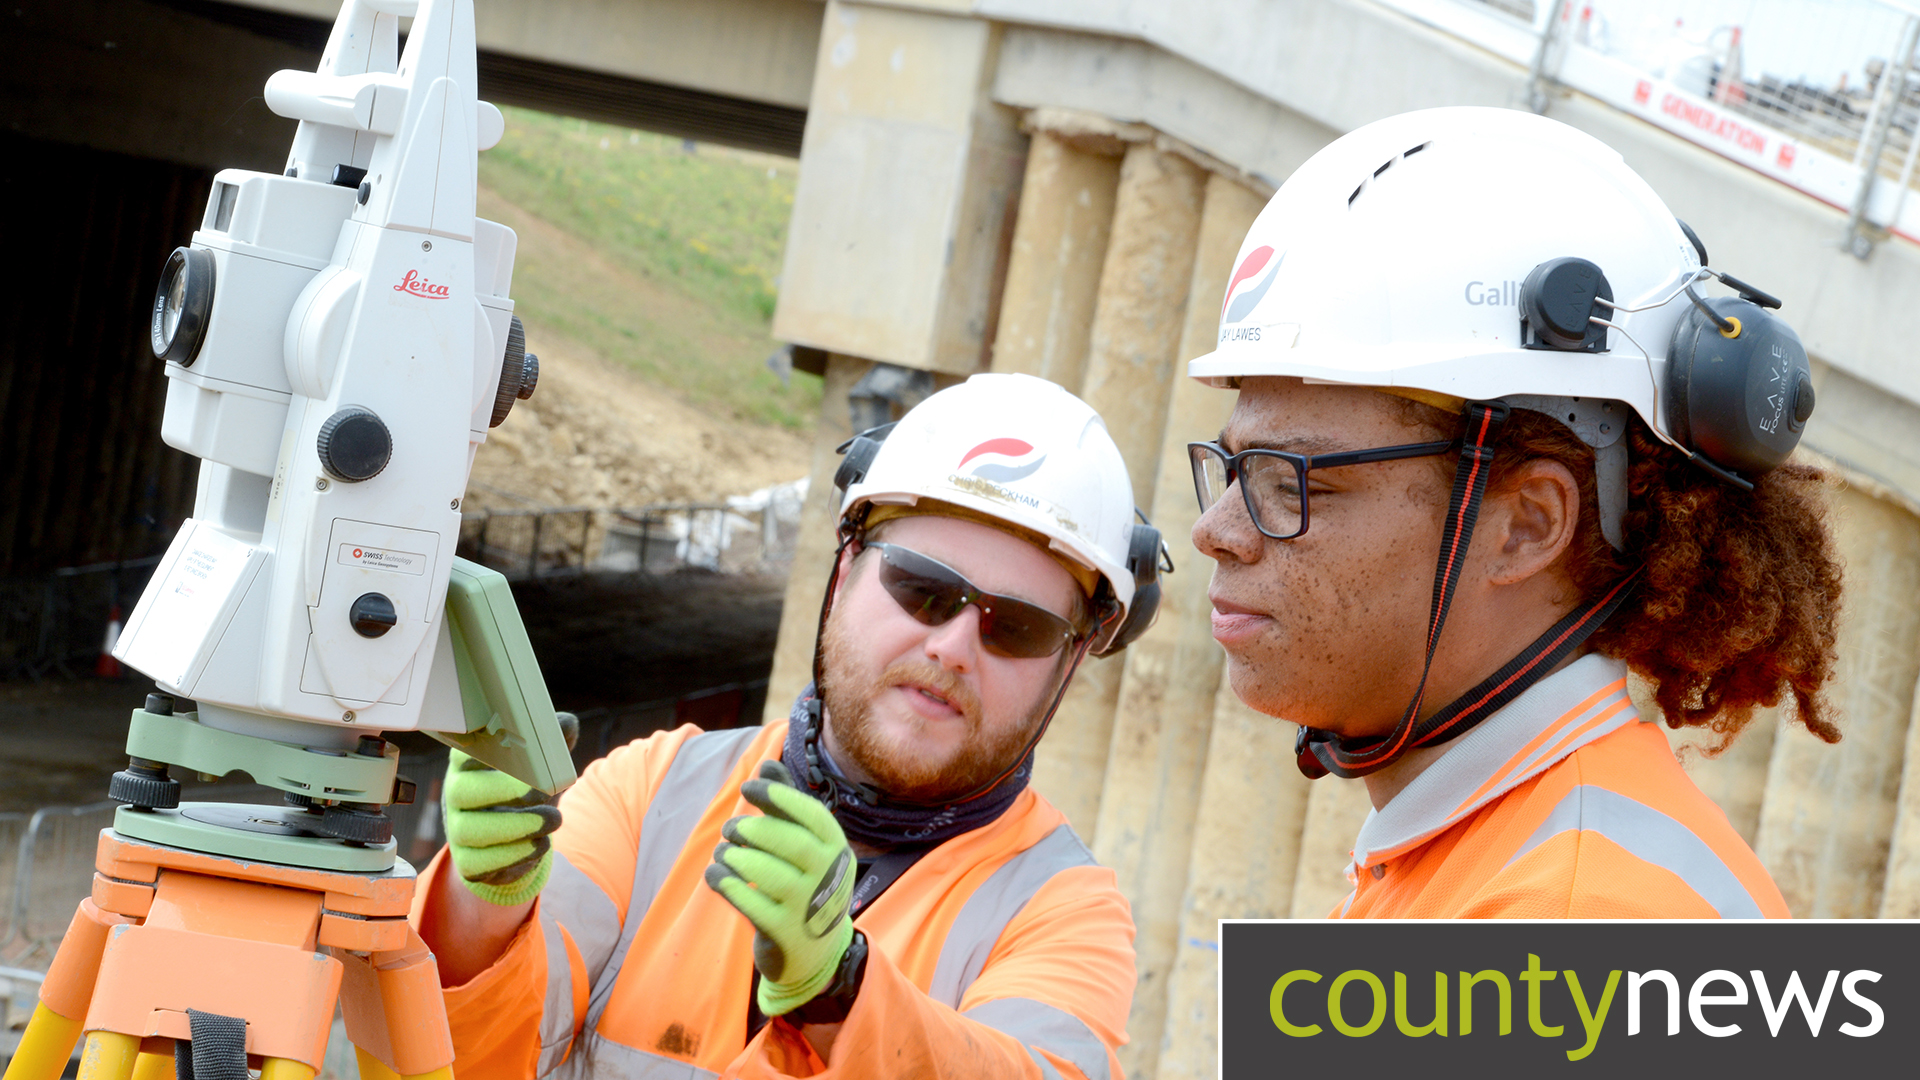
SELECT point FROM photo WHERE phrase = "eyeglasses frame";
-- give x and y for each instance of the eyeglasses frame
(1302, 465)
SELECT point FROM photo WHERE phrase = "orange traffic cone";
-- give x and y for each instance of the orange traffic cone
(107, 667)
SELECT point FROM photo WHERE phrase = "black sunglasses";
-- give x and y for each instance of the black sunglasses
(935, 593)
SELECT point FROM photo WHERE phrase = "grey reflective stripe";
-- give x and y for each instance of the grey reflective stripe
(684, 794)
(572, 899)
(1043, 1027)
(602, 1057)
(1652, 837)
(994, 904)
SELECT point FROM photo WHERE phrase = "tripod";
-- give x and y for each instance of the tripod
(171, 936)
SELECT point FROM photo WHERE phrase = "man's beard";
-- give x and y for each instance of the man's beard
(897, 770)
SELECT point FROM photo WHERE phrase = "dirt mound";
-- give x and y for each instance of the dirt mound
(596, 433)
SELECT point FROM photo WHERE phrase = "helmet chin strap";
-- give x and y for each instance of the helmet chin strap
(1319, 752)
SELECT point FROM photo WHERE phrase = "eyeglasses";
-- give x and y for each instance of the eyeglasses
(1274, 482)
(935, 593)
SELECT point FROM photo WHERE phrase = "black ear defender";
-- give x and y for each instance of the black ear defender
(1558, 303)
(1147, 559)
(1739, 388)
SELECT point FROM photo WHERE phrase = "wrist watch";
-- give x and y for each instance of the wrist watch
(831, 1005)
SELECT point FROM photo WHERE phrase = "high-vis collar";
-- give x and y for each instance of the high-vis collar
(1582, 702)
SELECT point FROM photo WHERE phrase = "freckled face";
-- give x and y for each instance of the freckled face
(1327, 629)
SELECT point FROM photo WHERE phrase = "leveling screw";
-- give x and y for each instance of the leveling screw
(320, 483)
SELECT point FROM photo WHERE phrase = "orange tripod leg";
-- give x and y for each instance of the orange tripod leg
(396, 1018)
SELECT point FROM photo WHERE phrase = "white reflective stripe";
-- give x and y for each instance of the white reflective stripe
(571, 899)
(1652, 837)
(1044, 1027)
(602, 1057)
(994, 904)
(685, 792)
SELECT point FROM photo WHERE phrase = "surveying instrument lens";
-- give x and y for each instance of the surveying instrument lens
(181, 305)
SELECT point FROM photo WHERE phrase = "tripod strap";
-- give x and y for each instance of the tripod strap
(218, 1050)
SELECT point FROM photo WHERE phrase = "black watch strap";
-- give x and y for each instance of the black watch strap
(832, 1005)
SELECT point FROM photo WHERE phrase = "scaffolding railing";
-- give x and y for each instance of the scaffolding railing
(1824, 98)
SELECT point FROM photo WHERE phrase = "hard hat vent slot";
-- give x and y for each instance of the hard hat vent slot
(1416, 150)
(1356, 193)
(1385, 167)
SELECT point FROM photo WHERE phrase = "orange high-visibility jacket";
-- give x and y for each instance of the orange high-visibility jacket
(1563, 805)
(1005, 952)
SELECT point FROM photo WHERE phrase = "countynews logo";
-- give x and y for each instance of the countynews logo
(1012, 459)
(1647, 999)
(1355, 1003)
(416, 285)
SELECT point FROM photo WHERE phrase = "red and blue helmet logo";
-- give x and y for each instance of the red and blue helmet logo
(1244, 292)
(1011, 459)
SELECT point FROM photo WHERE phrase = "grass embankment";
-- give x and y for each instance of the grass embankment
(695, 236)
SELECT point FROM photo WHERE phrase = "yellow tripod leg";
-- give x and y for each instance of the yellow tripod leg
(285, 1069)
(153, 1067)
(109, 1055)
(372, 1068)
(45, 1046)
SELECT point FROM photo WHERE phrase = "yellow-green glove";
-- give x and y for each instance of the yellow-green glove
(497, 831)
(791, 874)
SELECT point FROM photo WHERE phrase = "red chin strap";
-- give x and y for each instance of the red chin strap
(1319, 752)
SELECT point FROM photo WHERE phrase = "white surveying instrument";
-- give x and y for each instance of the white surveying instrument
(338, 341)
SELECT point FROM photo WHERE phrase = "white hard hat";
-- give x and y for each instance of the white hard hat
(1395, 258)
(1019, 450)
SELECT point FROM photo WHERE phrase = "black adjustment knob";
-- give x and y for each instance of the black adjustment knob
(160, 704)
(372, 615)
(145, 785)
(357, 826)
(354, 444)
(519, 373)
(1558, 300)
(1802, 399)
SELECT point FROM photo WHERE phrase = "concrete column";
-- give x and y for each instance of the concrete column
(1902, 897)
(1166, 700)
(909, 177)
(1246, 854)
(1140, 315)
(1138, 319)
(1830, 811)
(813, 550)
(1336, 809)
(1053, 274)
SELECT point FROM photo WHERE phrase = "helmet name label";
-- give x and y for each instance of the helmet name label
(1492, 293)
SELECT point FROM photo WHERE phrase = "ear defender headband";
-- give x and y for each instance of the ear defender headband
(1147, 554)
(1739, 388)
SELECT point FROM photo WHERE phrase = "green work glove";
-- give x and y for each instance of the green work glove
(791, 874)
(497, 831)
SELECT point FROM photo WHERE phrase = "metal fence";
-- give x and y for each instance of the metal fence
(51, 869)
(751, 532)
(57, 625)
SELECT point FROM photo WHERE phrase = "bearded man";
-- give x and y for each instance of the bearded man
(910, 906)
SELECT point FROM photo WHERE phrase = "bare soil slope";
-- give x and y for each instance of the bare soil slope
(595, 433)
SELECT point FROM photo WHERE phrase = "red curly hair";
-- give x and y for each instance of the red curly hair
(1739, 599)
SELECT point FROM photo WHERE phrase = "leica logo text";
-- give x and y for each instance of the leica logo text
(419, 286)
